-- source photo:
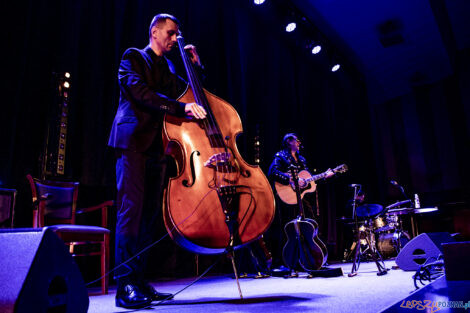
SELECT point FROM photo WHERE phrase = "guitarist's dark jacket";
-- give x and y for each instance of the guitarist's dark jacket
(279, 169)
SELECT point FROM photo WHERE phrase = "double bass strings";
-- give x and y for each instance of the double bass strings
(209, 122)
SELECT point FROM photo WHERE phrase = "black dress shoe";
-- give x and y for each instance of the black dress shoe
(154, 294)
(131, 297)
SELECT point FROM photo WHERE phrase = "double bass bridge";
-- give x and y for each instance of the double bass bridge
(220, 162)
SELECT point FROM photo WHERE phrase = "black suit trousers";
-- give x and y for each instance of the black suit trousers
(141, 179)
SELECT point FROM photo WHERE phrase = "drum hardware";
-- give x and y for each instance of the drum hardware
(390, 234)
(382, 229)
(384, 233)
(367, 211)
(411, 211)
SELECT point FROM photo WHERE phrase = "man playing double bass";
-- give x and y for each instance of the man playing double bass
(279, 171)
(148, 89)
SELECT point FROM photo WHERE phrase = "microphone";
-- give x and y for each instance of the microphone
(394, 182)
(354, 185)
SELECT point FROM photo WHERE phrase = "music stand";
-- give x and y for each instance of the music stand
(357, 252)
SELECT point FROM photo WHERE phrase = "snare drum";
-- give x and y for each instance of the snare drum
(382, 225)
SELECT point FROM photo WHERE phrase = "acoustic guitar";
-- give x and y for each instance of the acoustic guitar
(287, 192)
(303, 246)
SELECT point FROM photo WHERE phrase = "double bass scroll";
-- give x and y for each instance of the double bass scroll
(213, 182)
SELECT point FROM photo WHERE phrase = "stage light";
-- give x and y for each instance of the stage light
(291, 27)
(316, 49)
(66, 85)
(335, 67)
(258, 2)
(67, 75)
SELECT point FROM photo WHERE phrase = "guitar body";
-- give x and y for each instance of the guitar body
(303, 245)
(287, 192)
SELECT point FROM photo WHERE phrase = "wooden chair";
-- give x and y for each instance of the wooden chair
(7, 207)
(54, 206)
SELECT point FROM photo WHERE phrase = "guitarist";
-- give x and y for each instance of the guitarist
(279, 172)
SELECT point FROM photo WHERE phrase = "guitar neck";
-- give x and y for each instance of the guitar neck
(316, 177)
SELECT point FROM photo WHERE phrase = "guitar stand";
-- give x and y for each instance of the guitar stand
(326, 272)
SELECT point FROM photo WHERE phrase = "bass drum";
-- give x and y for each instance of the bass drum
(390, 244)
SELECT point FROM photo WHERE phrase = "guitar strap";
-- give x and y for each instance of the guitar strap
(317, 203)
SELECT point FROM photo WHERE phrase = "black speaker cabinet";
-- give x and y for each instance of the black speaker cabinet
(420, 248)
(457, 260)
(38, 274)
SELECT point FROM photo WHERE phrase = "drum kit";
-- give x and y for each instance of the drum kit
(382, 228)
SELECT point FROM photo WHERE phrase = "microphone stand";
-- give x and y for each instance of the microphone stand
(357, 247)
(403, 191)
(413, 223)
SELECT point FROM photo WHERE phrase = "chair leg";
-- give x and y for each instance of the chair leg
(104, 264)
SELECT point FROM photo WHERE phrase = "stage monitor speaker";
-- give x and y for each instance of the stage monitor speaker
(38, 274)
(421, 248)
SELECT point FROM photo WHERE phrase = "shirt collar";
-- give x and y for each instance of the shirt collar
(153, 56)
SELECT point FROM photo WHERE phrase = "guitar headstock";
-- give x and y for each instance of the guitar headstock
(341, 168)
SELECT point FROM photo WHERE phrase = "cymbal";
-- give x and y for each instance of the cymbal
(369, 210)
(425, 210)
(400, 203)
(400, 211)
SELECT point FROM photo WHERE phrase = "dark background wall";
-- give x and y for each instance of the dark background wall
(420, 139)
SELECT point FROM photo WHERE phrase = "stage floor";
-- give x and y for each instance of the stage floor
(363, 293)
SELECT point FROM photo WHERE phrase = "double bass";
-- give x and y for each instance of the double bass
(217, 200)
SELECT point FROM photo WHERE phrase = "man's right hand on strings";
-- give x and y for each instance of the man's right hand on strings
(195, 110)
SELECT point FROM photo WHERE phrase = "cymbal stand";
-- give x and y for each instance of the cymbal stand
(357, 252)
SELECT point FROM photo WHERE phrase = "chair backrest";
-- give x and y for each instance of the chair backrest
(7, 207)
(59, 199)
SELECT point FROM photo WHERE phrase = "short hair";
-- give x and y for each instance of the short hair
(286, 138)
(161, 18)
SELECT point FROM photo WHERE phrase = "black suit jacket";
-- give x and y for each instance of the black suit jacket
(148, 89)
